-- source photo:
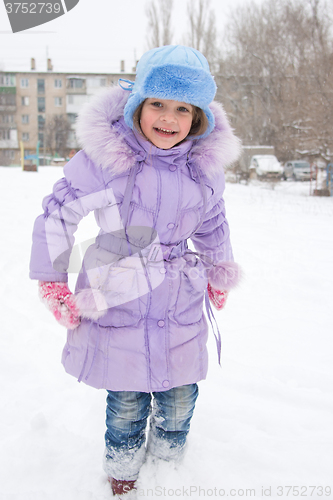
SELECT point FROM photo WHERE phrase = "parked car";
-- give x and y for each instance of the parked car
(298, 170)
(242, 166)
(266, 166)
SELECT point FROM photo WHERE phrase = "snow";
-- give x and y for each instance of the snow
(263, 421)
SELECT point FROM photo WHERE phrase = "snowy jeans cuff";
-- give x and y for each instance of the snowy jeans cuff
(127, 413)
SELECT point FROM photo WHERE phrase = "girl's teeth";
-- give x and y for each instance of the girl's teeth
(166, 131)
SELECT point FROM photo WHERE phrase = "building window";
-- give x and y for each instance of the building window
(58, 101)
(24, 83)
(25, 101)
(7, 81)
(58, 83)
(8, 99)
(76, 83)
(103, 82)
(5, 135)
(41, 139)
(40, 86)
(25, 136)
(41, 122)
(41, 104)
(71, 138)
(72, 117)
(7, 118)
(25, 119)
(10, 154)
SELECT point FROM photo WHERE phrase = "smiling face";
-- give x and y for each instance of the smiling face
(165, 123)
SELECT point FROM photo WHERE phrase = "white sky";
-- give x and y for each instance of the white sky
(93, 37)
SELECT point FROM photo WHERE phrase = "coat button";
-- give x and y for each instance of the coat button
(172, 168)
(165, 383)
(160, 323)
(171, 225)
(163, 270)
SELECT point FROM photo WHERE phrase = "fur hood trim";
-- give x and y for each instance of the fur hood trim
(104, 145)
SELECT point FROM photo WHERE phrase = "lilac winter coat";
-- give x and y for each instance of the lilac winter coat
(140, 290)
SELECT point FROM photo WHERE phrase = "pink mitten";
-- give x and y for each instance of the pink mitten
(59, 299)
(217, 297)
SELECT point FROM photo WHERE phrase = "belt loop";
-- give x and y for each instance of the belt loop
(155, 252)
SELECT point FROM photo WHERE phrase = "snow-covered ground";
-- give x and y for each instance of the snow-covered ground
(263, 421)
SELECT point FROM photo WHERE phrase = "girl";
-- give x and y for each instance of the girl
(151, 168)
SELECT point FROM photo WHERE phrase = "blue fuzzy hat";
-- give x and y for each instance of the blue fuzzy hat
(173, 72)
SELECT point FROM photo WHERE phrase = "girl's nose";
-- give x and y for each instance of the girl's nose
(168, 116)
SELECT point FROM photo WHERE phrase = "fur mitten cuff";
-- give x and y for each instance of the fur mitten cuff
(92, 303)
(224, 275)
(61, 302)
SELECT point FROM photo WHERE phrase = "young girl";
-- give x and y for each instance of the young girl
(151, 169)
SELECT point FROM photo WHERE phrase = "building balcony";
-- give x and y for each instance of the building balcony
(9, 144)
(76, 85)
(8, 108)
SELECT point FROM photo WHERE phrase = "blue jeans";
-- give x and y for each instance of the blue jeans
(126, 420)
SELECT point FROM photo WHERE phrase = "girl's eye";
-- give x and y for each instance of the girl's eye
(157, 104)
(183, 109)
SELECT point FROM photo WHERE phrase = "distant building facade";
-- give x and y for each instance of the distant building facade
(29, 100)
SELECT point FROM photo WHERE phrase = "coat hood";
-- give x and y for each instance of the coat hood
(101, 140)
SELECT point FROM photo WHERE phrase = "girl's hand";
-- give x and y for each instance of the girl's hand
(59, 299)
(217, 297)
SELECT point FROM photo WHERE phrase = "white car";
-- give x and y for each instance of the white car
(299, 170)
(267, 166)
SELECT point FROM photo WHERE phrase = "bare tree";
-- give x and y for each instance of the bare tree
(276, 76)
(56, 132)
(202, 34)
(159, 23)
(202, 26)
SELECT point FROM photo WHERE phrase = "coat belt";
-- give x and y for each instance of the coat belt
(124, 244)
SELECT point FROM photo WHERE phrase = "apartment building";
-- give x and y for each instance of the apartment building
(8, 130)
(30, 100)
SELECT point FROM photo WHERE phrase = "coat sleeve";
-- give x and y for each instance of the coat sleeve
(80, 191)
(212, 241)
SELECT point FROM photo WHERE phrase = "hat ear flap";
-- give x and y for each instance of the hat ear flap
(132, 104)
(211, 124)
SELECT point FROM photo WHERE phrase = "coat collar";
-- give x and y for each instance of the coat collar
(110, 146)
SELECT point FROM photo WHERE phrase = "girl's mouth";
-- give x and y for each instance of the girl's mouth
(164, 131)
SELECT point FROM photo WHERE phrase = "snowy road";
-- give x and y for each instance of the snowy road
(263, 422)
